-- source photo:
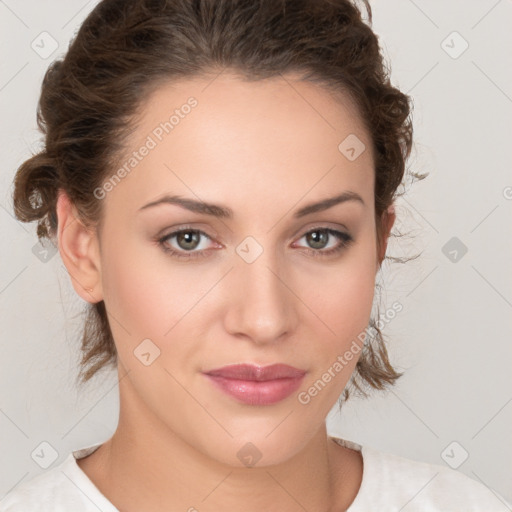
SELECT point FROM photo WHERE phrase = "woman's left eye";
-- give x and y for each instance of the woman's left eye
(318, 238)
(189, 241)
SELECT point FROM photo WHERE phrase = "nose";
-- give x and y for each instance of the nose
(262, 306)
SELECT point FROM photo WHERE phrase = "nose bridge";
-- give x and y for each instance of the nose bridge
(262, 307)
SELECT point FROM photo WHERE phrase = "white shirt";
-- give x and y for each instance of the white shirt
(390, 483)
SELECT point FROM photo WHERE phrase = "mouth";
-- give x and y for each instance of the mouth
(257, 385)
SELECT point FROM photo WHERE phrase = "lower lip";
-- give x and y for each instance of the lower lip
(257, 393)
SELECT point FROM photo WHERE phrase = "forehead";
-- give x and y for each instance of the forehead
(226, 138)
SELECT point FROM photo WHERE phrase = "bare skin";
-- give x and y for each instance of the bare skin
(265, 150)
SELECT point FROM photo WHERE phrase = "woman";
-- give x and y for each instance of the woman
(219, 177)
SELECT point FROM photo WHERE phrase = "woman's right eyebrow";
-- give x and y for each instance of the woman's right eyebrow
(220, 211)
(192, 205)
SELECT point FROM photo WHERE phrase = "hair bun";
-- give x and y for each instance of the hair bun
(35, 193)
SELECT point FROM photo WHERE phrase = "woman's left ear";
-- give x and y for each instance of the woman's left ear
(388, 219)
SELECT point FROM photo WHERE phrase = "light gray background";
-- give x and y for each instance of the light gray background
(453, 336)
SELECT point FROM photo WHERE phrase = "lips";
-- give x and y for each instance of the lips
(257, 373)
(256, 385)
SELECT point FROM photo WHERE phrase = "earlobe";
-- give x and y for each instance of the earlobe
(79, 250)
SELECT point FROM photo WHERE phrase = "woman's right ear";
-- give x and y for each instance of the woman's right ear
(79, 250)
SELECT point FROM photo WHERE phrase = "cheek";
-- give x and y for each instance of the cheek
(346, 313)
(340, 298)
(138, 297)
(148, 296)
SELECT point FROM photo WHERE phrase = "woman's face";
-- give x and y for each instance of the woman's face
(258, 279)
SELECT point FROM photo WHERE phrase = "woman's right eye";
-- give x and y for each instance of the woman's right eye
(186, 241)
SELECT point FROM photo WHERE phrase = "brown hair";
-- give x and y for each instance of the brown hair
(125, 48)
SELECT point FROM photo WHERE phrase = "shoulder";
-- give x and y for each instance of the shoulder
(392, 482)
(63, 488)
(47, 491)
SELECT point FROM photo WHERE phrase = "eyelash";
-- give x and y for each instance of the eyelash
(344, 238)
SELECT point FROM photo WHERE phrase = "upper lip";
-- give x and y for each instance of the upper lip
(256, 373)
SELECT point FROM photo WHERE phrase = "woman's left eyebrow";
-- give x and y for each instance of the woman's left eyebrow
(225, 212)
